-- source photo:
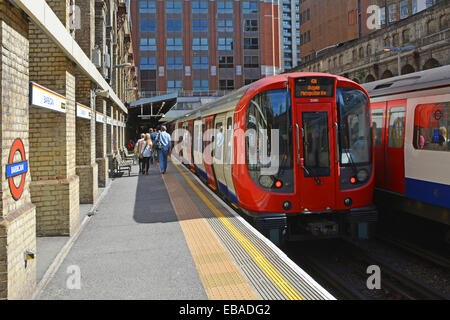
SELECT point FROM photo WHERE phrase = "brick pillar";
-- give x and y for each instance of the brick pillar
(100, 145)
(55, 185)
(17, 216)
(86, 167)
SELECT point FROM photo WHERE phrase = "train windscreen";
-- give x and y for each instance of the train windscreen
(355, 140)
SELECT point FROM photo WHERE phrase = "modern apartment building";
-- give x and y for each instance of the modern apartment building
(291, 18)
(204, 47)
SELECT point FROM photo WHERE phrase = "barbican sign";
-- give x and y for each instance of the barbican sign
(14, 169)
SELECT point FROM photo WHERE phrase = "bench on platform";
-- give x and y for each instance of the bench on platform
(122, 165)
(129, 156)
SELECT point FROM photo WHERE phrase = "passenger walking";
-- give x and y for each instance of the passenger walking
(139, 144)
(153, 137)
(163, 144)
(146, 154)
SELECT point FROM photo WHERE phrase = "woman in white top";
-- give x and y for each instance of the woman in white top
(146, 153)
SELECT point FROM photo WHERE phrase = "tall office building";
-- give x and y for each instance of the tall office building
(290, 33)
(202, 47)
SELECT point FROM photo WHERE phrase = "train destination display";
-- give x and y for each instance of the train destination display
(314, 87)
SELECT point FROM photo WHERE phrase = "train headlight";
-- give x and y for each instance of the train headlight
(266, 181)
(362, 175)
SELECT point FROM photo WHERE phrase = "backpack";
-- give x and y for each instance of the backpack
(158, 145)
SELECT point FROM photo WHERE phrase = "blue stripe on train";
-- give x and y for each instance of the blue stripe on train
(222, 188)
(430, 192)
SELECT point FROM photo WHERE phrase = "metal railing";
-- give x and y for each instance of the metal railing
(185, 93)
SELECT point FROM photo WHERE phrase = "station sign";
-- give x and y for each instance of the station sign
(83, 111)
(42, 97)
(18, 168)
(314, 87)
(99, 117)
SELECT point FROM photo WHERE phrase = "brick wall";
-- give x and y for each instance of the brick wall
(55, 187)
(17, 218)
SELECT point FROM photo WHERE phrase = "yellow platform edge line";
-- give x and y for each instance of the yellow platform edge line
(271, 272)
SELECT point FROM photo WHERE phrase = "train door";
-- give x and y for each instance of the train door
(229, 158)
(316, 158)
(379, 128)
(207, 154)
(219, 139)
(394, 146)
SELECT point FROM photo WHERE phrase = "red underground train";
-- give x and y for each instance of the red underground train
(292, 152)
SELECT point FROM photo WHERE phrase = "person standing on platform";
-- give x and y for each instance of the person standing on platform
(146, 154)
(163, 144)
(140, 144)
(153, 135)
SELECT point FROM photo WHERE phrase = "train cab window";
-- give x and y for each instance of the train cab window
(355, 134)
(269, 145)
(316, 144)
(377, 126)
(396, 127)
(432, 127)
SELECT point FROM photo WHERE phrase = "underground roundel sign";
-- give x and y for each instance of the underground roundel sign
(15, 169)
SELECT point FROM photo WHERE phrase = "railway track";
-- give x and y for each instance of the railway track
(395, 280)
(422, 253)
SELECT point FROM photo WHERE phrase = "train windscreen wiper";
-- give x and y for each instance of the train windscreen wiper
(316, 178)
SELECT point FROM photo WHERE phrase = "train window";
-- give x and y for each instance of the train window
(396, 127)
(219, 143)
(354, 128)
(229, 141)
(269, 117)
(432, 127)
(316, 144)
(377, 126)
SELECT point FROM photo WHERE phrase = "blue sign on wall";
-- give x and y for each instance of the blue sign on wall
(16, 169)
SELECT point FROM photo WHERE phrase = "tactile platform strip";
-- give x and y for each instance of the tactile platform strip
(219, 275)
(288, 284)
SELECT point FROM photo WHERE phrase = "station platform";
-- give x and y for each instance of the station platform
(170, 237)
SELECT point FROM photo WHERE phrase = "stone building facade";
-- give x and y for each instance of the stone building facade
(365, 60)
(49, 52)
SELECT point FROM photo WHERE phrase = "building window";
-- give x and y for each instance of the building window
(224, 7)
(392, 13)
(200, 44)
(148, 44)
(404, 11)
(201, 85)
(174, 85)
(200, 62)
(251, 43)
(199, 25)
(225, 25)
(226, 62)
(225, 44)
(405, 36)
(173, 6)
(148, 63)
(148, 25)
(248, 81)
(251, 25)
(251, 61)
(226, 84)
(174, 62)
(199, 7)
(173, 25)
(147, 7)
(174, 44)
(250, 7)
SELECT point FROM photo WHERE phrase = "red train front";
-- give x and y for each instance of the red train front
(314, 176)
